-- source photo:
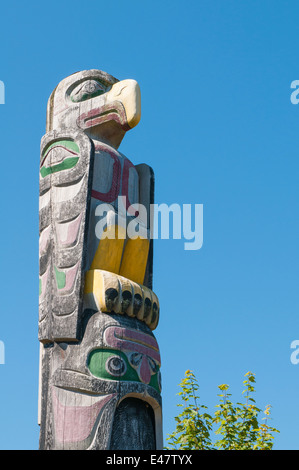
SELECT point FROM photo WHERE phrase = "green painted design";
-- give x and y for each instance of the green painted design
(87, 96)
(88, 89)
(60, 278)
(69, 144)
(98, 361)
(65, 165)
(40, 287)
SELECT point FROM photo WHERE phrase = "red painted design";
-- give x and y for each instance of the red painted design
(112, 194)
(119, 178)
(75, 423)
(145, 371)
(127, 340)
(96, 116)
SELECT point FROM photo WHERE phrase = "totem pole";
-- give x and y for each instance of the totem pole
(100, 384)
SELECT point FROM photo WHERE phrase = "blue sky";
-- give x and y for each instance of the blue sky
(219, 129)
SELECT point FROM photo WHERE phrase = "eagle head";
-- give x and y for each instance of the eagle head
(97, 103)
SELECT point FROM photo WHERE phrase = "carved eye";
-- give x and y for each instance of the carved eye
(86, 90)
(116, 366)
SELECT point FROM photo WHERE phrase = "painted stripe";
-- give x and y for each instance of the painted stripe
(125, 339)
(67, 164)
(113, 192)
(69, 145)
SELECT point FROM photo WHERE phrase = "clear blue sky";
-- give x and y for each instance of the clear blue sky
(219, 129)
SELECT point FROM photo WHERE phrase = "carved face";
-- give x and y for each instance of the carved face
(97, 103)
(129, 355)
(120, 359)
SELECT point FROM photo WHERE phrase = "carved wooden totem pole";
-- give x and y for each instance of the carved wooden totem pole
(100, 385)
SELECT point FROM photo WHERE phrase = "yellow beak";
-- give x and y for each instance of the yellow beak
(128, 93)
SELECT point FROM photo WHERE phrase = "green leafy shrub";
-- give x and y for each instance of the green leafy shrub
(233, 426)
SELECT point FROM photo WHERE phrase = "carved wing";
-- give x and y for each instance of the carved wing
(146, 198)
(65, 186)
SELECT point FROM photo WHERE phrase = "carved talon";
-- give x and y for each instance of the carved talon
(109, 292)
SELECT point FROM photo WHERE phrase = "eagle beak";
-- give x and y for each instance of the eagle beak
(128, 93)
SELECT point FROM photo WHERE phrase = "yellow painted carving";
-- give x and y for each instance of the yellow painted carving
(128, 297)
(134, 260)
(128, 92)
(94, 284)
(109, 252)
